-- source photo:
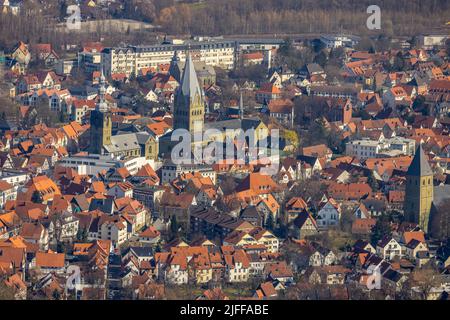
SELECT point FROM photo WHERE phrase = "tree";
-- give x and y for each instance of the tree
(337, 53)
(6, 293)
(174, 228)
(256, 73)
(36, 197)
(321, 59)
(347, 218)
(318, 46)
(365, 44)
(82, 234)
(61, 247)
(46, 115)
(291, 57)
(228, 184)
(56, 295)
(361, 114)
(419, 104)
(423, 280)
(414, 42)
(388, 27)
(317, 133)
(399, 62)
(310, 190)
(292, 137)
(287, 49)
(440, 221)
(381, 229)
(270, 223)
(373, 183)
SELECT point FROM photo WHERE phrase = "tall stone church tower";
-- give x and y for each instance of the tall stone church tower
(419, 191)
(101, 122)
(189, 107)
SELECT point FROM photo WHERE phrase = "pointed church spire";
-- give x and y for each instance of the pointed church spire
(175, 57)
(102, 76)
(175, 69)
(189, 81)
(102, 105)
(241, 107)
(419, 166)
(189, 104)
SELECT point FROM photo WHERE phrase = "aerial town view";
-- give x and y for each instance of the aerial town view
(239, 150)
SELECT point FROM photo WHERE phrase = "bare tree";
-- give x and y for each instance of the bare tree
(423, 280)
(6, 293)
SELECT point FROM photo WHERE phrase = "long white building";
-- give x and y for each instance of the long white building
(92, 164)
(365, 148)
(132, 59)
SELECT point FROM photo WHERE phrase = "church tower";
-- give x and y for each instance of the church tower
(419, 191)
(189, 107)
(101, 122)
(175, 70)
(241, 107)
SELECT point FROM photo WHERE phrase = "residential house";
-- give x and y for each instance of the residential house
(304, 226)
(329, 214)
(388, 248)
(8, 192)
(237, 265)
(50, 262)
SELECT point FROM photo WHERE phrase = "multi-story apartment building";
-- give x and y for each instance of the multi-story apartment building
(171, 171)
(134, 59)
(365, 148)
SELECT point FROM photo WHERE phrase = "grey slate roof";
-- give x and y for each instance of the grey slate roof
(143, 137)
(189, 82)
(123, 142)
(244, 124)
(314, 68)
(142, 251)
(419, 166)
(105, 205)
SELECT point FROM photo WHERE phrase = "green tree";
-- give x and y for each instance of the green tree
(419, 104)
(61, 247)
(82, 234)
(56, 295)
(270, 223)
(36, 197)
(174, 227)
(381, 229)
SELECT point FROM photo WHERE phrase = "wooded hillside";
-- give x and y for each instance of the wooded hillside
(226, 17)
(302, 16)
